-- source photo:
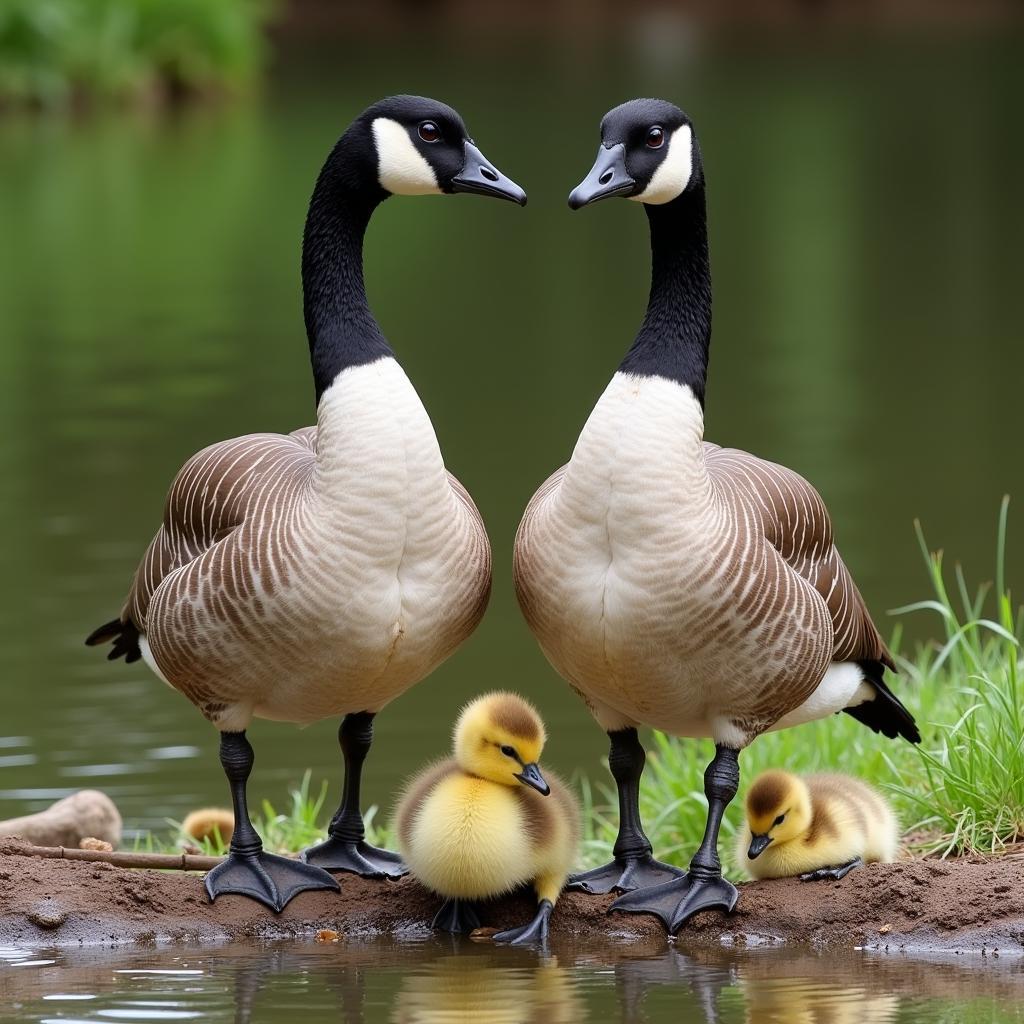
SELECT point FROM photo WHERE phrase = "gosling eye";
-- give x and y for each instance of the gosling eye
(429, 132)
(779, 820)
(508, 751)
(655, 137)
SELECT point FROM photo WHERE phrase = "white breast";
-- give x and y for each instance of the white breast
(386, 541)
(634, 578)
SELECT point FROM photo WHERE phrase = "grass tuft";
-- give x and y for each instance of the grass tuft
(302, 824)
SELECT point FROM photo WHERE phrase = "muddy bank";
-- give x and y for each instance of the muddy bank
(956, 906)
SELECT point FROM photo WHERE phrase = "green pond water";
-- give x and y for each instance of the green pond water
(866, 220)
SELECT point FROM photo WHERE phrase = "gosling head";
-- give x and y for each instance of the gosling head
(415, 146)
(648, 152)
(778, 810)
(500, 737)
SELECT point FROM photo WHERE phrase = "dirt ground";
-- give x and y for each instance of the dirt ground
(965, 905)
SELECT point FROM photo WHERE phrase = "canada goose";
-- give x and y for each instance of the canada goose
(324, 572)
(821, 826)
(674, 583)
(486, 821)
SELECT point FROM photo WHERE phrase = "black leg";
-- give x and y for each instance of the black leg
(703, 886)
(248, 870)
(536, 932)
(346, 848)
(459, 917)
(832, 874)
(633, 866)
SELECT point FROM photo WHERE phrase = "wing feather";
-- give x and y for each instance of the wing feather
(208, 501)
(796, 523)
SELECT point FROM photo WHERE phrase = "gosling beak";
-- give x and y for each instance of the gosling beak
(758, 844)
(481, 177)
(531, 776)
(608, 177)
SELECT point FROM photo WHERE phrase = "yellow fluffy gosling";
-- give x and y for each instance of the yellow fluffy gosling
(818, 827)
(487, 821)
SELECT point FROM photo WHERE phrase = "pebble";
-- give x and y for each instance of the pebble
(47, 915)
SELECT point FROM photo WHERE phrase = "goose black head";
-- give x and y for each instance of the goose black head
(648, 153)
(417, 146)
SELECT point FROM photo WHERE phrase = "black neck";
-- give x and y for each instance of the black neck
(676, 333)
(339, 325)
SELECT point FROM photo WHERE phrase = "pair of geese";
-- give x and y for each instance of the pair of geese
(671, 582)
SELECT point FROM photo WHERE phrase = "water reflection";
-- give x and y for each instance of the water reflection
(443, 982)
(480, 987)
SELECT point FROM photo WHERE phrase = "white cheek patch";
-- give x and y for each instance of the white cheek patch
(673, 173)
(401, 168)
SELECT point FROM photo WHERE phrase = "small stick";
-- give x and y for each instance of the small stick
(162, 861)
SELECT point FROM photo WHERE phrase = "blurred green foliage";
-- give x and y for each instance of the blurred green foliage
(62, 52)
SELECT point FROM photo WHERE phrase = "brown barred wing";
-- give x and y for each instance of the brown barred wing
(209, 499)
(796, 523)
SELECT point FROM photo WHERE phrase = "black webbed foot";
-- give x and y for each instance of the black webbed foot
(832, 873)
(358, 857)
(456, 916)
(623, 874)
(265, 877)
(679, 899)
(534, 933)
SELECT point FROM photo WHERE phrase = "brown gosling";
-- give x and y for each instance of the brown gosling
(817, 827)
(486, 821)
(208, 823)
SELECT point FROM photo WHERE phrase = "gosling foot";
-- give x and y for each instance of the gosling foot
(832, 873)
(534, 933)
(265, 877)
(679, 899)
(624, 874)
(456, 916)
(358, 857)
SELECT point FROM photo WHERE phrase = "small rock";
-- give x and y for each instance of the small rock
(326, 935)
(885, 929)
(47, 915)
(483, 934)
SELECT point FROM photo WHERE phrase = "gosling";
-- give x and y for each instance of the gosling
(486, 821)
(818, 827)
(210, 823)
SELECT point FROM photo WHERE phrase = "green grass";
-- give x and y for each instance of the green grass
(960, 791)
(302, 824)
(58, 52)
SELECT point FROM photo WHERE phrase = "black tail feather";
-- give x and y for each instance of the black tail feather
(123, 635)
(885, 713)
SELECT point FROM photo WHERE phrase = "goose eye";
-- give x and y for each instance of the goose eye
(508, 751)
(779, 820)
(429, 132)
(655, 137)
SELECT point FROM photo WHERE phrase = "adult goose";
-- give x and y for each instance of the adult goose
(325, 572)
(673, 583)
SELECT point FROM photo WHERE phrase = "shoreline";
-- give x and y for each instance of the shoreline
(925, 906)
